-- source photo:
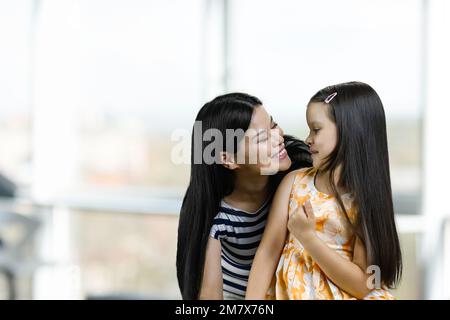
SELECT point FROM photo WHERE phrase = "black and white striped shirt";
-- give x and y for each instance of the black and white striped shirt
(239, 233)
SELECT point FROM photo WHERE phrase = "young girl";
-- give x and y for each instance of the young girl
(224, 211)
(342, 235)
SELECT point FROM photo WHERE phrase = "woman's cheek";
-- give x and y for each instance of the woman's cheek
(246, 153)
(251, 155)
(263, 154)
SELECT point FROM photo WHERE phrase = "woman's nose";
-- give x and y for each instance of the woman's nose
(277, 137)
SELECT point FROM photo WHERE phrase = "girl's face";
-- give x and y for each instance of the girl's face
(323, 133)
(263, 145)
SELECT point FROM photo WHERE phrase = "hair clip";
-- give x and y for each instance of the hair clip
(330, 97)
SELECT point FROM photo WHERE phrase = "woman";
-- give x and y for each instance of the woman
(226, 204)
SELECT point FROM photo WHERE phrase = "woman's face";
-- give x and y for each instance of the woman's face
(263, 145)
(323, 133)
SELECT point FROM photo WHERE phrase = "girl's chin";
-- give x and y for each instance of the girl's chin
(316, 164)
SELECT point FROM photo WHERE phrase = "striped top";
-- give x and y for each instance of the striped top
(239, 233)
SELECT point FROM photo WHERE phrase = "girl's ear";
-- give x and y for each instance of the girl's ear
(228, 161)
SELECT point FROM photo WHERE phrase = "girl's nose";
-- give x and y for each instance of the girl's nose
(308, 141)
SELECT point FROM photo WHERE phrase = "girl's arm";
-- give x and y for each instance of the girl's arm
(212, 282)
(269, 250)
(348, 275)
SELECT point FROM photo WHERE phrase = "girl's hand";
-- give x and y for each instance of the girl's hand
(302, 222)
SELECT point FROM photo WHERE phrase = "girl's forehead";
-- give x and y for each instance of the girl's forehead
(317, 111)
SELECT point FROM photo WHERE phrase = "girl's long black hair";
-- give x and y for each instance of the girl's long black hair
(362, 152)
(209, 183)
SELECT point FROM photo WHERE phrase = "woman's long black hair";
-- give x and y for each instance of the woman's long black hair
(362, 152)
(209, 183)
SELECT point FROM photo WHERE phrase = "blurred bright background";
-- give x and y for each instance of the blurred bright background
(91, 92)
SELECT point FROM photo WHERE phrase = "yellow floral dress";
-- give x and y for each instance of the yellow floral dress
(297, 276)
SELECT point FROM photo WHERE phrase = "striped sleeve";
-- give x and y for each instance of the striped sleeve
(217, 229)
